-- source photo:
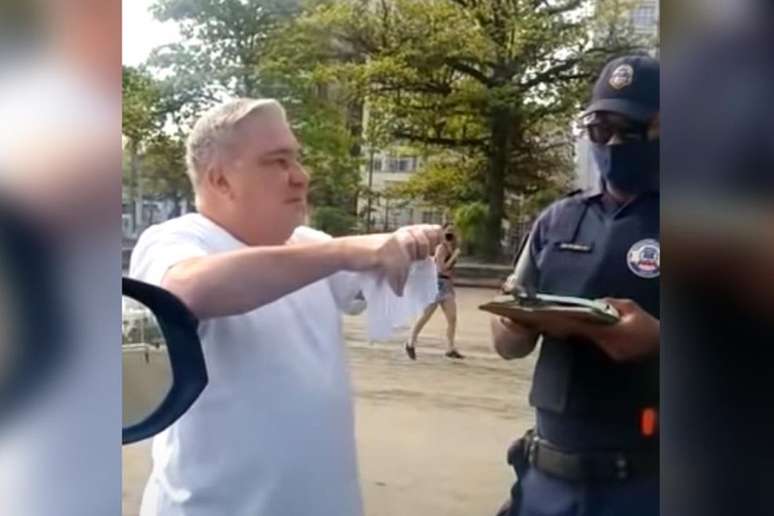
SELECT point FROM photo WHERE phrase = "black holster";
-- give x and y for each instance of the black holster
(518, 459)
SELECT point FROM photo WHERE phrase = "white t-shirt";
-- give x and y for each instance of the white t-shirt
(273, 432)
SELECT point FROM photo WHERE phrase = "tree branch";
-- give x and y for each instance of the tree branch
(462, 3)
(450, 142)
(550, 74)
(439, 89)
(459, 66)
(563, 8)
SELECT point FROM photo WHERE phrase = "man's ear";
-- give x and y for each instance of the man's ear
(219, 181)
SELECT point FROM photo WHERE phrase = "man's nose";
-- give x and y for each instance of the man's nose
(299, 176)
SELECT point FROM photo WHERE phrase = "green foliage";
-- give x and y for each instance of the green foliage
(165, 169)
(152, 155)
(497, 81)
(333, 220)
(252, 48)
(470, 220)
(484, 90)
(141, 105)
(446, 181)
(223, 44)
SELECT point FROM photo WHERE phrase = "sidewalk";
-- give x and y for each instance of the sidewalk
(481, 275)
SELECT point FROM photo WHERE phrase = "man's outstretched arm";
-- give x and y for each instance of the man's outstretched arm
(239, 281)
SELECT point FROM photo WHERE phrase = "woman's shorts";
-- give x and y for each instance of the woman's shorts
(445, 289)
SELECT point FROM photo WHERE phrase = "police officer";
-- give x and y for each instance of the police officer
(595, 389)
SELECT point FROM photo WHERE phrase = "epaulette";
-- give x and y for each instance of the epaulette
(574, 192)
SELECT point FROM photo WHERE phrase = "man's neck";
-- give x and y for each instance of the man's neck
(232, 229)
(618, 196)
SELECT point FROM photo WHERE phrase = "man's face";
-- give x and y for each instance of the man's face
(266, 184)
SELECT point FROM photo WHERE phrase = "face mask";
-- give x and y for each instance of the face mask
(632, 167)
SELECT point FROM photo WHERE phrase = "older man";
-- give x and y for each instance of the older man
(273, 433)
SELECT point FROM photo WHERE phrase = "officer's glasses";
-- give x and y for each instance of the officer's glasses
(603, 131)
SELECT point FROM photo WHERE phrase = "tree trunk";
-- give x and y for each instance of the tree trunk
(175, 196)
(495, 184)
(140, 203)
(355, 123)
(134, 166)
(386, 215)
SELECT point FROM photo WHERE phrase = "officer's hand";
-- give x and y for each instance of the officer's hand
(635, 335)
(512, 339)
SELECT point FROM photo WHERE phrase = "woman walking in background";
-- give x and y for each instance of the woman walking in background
(446, 255)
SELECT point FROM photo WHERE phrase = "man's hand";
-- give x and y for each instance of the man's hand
(392, 253)
(635, 336)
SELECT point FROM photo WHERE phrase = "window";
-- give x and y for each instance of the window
(644, 17)
(400, 164)
(405, 164)
(377, 164)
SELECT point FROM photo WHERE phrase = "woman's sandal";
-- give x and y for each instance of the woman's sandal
(454, 354)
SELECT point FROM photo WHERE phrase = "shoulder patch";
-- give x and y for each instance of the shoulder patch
(644, 258)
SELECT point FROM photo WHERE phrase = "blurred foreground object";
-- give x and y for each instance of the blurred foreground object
(60, 165)
(31, 328)
(718, 225)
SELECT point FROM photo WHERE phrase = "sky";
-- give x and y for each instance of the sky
(142, 33)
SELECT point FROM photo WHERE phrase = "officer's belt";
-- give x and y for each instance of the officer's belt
(587, 466)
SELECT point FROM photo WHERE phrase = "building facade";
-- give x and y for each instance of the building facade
(385, 169)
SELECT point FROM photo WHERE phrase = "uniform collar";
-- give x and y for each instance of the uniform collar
(594, 192)
(599, 189)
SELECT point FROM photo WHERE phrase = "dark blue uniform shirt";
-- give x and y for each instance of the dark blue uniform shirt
(587, 245)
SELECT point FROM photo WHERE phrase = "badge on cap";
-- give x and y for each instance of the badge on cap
(622, 76)
(644, 258)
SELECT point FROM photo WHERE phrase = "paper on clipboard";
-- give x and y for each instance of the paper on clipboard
(535, 309)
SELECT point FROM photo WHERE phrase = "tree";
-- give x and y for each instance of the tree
(482, 77)
(249, 48)
(155, 154)
(470, 219)
(326, 117)
(223, 43)
(447, 180)
(164, 168)
(142, 118)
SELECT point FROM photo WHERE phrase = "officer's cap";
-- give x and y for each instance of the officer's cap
(629, 86)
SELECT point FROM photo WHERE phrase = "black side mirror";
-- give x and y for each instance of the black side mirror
(163, 364)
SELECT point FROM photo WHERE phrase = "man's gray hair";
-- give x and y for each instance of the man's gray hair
(214, 130)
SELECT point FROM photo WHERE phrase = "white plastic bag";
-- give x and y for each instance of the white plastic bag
(387, 312)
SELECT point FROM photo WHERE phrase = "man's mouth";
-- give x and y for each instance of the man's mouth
(296, 200)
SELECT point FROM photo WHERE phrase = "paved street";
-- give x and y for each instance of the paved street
(432, 434)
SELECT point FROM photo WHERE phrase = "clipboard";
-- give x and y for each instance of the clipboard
(534, 309)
